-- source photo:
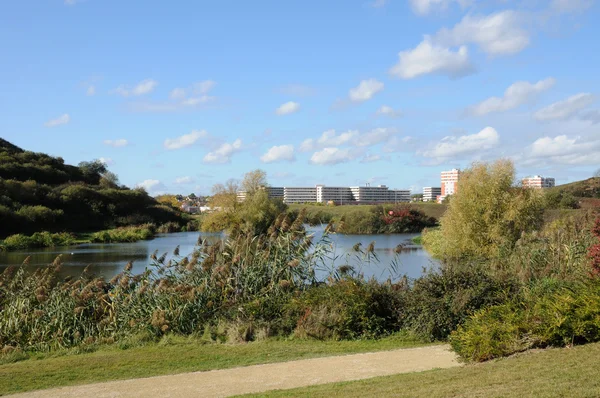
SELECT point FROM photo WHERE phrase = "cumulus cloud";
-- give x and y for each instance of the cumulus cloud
(184, 140)
(385, 110)
(223, 153)
(279, 153)
(198, 89)
(566, 108)
(515, 95)
(153, 187)
(330, 156)
(329, 138)
(365, 90)
(424, 7)
(431, 58)
(496, 34)
(142, 88)
(563, 149)
(454, 147)
(63, 119)
(287, 108)
(116, 143)
(90, 91)
(177, 94)
(184, 180)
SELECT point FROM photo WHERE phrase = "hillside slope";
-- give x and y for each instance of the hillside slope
(40, 192)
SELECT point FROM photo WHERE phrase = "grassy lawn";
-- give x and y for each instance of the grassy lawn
(550, 373)
(172, 355)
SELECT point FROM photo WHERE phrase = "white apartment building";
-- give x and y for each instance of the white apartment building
(300, 194)
(399, 195)
(430, 194)
(274, 193)
(339, 195)
(538, 182)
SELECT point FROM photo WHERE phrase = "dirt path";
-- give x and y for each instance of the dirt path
(259, 378)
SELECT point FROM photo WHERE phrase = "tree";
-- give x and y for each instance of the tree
(109, 180)
(253, 181)
(487, 215)
(93, 170)
(597, 173)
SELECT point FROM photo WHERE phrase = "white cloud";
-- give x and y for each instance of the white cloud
(197, 100)
(453, 147)
(91, 90)
(184, 180)
(374, 137)
(198, 89)
(184, 140)
(497, 34)
(223, 153)
(287, 108)
(106, 161)
(279, 153)
(385, 110)
(143, 87)
(116, 143)
(365, 90)
(566, 108)
(329, 138)
(153, 187)
(563, 149)
(63, 119)
(424, 7)
(333, 156)
(591, 116)
(515, 95)
(430, 58)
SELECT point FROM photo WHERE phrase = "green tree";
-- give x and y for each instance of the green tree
(253, 181)
(487, 214)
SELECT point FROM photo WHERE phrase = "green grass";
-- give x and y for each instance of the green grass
(549, 373)
(172, 355)
(430, 209)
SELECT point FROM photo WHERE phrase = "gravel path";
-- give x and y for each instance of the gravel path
(259, 378)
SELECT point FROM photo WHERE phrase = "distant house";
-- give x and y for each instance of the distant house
(191, 208)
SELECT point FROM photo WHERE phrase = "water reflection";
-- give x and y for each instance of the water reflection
(109, 259)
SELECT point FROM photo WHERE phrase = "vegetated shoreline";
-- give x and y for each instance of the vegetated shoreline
(126, 234)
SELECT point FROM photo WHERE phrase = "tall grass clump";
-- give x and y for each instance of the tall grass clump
(244, 279)
(125, 234)
(38, 239)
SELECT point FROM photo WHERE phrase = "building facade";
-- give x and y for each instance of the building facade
(449, 183)
(430, 194)
(300, 194)
(538, 182)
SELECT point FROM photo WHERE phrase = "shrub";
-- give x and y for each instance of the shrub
(549, 314)
(442, 299)
(38, 239)
(125, 234)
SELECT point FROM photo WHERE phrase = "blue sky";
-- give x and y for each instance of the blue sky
(180, 95)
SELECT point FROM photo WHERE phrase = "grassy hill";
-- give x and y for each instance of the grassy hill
(589, 188)
(39, 192)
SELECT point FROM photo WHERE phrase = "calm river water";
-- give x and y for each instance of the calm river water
(109, 259)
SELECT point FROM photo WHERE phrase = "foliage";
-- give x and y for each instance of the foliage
(442, 299)
(487, 215)
(381, 219)
(549, 314)
(125, 234)
(39, 192)
(594, 250)
(560, 199)
(38, 239)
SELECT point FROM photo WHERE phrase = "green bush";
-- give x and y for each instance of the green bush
(38, 239)
(442, 299)
(550, 314)
(125, 234)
